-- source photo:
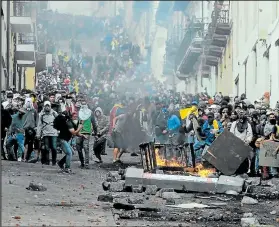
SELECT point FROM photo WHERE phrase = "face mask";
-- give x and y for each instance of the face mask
(84, 106)
(47, 108)
(210, 121)
(272, 121)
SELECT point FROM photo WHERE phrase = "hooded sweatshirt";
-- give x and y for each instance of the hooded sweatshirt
(45, 123)
(30, 117)
(102, 122)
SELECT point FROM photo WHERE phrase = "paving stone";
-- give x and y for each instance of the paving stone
(133, 176)
(248, 200)
(105, 198)
(117, 186)
(226, 183)
(151, 189)
(36, 187)
(170, 195)
(137, 188)
(249, 222)
(113, 176)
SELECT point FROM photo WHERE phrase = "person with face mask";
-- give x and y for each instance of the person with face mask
(30, 122)
(242, 129)
(270, 133)
(161, 125)
(211, 128)
(87, 119)
(16, 134)
(47, 133)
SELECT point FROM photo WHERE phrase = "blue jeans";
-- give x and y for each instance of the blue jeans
(50, 143)
(67, 149)
(19, 139)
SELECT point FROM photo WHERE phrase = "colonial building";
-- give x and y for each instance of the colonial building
(256, 51)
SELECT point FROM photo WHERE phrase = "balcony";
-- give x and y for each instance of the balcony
(211, 61)
(25, 52)
(189, 51)
(205, 72)
(21, 25)
(22, 63)
(214, 51)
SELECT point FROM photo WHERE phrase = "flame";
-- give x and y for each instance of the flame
(199, 170)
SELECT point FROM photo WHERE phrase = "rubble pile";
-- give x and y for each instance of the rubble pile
(222, 201)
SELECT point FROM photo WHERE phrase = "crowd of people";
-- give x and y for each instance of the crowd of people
(114, 98)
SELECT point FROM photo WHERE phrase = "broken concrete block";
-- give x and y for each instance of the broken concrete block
(113, 176)
(133, 176)
(117, 186)
(36, 187)
(106, 185)
(131, 214)
(105, 198)
(170, 201)
(249, 222)
(248, 200)
(137, 188)
(231, 192)
(151, 189)
(135, 200)
(170, 195)
(178, 182)
(226, 183)
(162, 190)
(121, 171)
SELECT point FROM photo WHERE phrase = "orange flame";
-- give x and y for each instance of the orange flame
(199, 170)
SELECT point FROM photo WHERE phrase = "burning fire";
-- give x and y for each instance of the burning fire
(199, 170)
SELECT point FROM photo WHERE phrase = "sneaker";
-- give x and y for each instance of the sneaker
(86, 167)
(69, 171)
(19, 159)
(81, 166)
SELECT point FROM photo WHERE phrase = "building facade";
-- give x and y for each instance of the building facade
(256, 51)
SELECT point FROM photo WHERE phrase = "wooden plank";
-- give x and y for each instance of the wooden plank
(268, 155)
(227, 153)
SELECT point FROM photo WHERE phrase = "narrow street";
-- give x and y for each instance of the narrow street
(71, 200)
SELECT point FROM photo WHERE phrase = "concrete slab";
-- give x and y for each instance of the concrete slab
(226, 183)
(186, 183)
(133, 176)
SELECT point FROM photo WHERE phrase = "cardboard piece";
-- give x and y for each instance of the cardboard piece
(268, 155)
(227, 153)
